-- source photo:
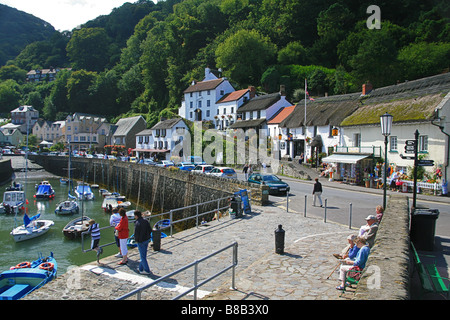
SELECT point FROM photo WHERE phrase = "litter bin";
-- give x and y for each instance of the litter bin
(156, 235)
(423, 227)
(236, 206)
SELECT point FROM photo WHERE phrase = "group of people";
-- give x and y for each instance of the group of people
(354, 256)
(142, 235)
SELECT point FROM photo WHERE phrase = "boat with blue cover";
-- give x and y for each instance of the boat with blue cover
(26, 277)
(84, 192)
(44, 191)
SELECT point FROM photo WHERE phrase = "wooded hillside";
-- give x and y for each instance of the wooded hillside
(141, 57)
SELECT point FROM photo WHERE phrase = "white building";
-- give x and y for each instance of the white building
(200, 99)
(161, 140)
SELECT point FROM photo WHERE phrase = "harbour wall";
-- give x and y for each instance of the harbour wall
(6, 170)
(387, 272)
(154, 188)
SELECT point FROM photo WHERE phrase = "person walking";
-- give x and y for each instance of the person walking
(245, 171)
(142, 233)
(317, 192)
(122, 234)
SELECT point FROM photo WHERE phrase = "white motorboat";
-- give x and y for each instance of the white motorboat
(32, 228)
(13, 202)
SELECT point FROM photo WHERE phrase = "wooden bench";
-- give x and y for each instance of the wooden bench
(430, 279)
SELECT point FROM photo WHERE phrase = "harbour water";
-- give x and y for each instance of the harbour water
(67, 252)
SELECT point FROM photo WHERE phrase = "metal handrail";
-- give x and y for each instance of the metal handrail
(194, 264)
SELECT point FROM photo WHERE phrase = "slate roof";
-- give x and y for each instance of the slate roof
(166, 124)
(124, 125)
(204, 85)
(260, 103)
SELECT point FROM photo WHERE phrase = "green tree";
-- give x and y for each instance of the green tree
(424, 59)
(293, 53)
(78, 94)
(245, 55)
(88, 49)
(12, 72)
(9, 96)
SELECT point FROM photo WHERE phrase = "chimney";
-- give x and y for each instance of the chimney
(282, 90)
(252, 91)
(366, 88)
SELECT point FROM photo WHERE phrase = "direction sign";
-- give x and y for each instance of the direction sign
(410, 148)
(406, 157)
(410, 142)
(426, 163)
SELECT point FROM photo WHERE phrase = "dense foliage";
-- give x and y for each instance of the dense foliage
(141, 57)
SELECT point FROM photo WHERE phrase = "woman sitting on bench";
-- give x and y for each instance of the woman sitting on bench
(358, 264)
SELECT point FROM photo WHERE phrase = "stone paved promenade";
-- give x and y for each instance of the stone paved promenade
(300, 273)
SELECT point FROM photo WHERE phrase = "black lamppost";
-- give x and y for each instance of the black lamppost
(386, 125)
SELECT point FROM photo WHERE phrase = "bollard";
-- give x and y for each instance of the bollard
(325, 215)
(350, 219)
(304, 213)
(279, 240)
(156, 235)
(287, 201)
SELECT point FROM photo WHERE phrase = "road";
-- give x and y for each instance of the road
(339, 201)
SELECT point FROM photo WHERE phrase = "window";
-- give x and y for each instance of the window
(207, 113)
(200, 104)
(190, 115)
(208, 103)
(393, 143)
(209, 92)
(357, 140)
(423, 144)
(191, 104)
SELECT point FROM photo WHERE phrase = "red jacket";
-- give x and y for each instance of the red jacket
(122, 227)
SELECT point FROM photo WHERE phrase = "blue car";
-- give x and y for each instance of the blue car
(185, 166)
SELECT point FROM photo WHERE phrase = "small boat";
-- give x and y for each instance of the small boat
(64, 181)
(26, 277)
(112, 202)
(162, 224)
(69, 206)
(31, 228)
(94, 186)
(75, 227)
(15, 187)
(44, 192)
(84, 192)
(132, 243)
(13, 202)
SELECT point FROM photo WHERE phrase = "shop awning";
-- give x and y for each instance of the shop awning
(344, 158)
(151, 150)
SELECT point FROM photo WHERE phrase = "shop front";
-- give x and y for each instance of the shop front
(352, 168)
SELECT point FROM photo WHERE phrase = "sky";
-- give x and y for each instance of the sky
(65, 14)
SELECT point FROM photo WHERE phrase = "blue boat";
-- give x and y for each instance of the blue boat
(44, 192)
(84, 192)
(26, 277)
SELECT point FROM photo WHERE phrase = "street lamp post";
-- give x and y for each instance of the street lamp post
(386, 125)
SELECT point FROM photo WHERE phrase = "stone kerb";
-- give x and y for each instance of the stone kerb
(386, 276)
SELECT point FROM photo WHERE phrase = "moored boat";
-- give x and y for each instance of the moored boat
(26, 277)
(44, 191)
(32, 228)
(68, 206)
(84, 192)
(75, 227)
(13, 202)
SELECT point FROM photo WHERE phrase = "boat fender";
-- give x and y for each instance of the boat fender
(21, 265)
(46, 266)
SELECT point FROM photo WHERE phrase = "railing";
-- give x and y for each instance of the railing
(196, 285)
(170, 213)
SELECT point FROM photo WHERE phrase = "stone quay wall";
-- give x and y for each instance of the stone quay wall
(155, 188)
(6, 170)
(387, 272)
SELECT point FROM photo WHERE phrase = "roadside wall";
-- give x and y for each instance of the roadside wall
(155, 188)
(386, 276)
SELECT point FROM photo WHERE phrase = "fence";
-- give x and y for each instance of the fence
(196, 285)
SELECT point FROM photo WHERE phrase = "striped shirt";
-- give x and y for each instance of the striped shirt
(95, 231)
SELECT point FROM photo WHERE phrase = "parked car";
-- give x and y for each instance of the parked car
(223, 172)
(203, 168)
(165, 163)
(112, 158)
(276, 185)
(149, 162)
(185, 166)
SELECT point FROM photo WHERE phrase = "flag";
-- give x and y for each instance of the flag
(306, 92)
